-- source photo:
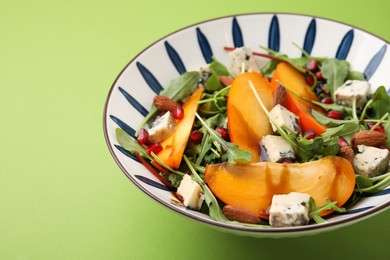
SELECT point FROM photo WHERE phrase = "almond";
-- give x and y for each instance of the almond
(369, 138)
(239, 214)
(279, 95)
(164, 103)
(347, 153)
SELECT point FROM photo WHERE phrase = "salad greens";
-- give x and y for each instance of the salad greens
(213, 148)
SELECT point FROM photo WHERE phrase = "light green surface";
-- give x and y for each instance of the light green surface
(61, 194)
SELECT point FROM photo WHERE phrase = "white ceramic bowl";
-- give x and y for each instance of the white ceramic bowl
(187, 49)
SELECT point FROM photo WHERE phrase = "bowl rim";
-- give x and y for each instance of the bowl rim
(246, 229)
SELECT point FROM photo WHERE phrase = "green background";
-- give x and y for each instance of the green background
(61, 194)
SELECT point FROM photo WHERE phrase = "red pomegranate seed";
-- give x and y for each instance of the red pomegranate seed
(196, 137)
(342, 142)
(379, 128)
(155, 148)
(178, 113)
(309, 79)
(327, 100)
(335, 114)
(319, 75)
(143, 136)
(223, 132)
(312, 65)
(382, 146)
(310, 134)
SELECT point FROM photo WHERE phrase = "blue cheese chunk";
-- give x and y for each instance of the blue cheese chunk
(285, 119)
(162, 128)
(289, 210)
(190, 193)
(277, 148)
(352, 89)
(204, 74)
(371, 161)
(242, 60)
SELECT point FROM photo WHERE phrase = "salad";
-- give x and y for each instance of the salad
(285, 144)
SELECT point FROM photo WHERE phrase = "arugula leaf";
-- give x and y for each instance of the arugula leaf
(335, 72)
(129, 143)
(381, 102)
(233, 152)
(356, 75)
(373, 184)
(346, 130)
(315, 211)
(218, 68)
(213, 83)
(177, 89)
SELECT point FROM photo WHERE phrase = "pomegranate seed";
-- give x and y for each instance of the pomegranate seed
(309, 79)
(143, 136)
(178, 113)
(155, 148)
(310, 134)
(382, 146)
(342, 142)
(319, 75)
(379, 128)
(196, 137)
(312, 65)
(335, 114)
(327, 100)
(223, 132)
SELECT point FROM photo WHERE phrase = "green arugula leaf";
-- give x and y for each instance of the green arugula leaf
(346, 130)
(213, 83)
(315, 211)
(335, 72)
(373, 184)
(218, 68)
(233, 152)
(356, 75)
(381, 102)
(129, 143)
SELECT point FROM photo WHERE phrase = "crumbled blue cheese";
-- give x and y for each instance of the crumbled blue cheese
(371, 161)
(162, 128)
(190, 193)
(242, 59)
(285, 119)
(289, 210)
(277, 148)
(204, 74)
(352, 89)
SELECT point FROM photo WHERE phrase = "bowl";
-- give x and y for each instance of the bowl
(190, 48)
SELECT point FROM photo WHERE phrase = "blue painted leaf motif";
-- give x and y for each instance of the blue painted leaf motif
(128, 129)
(345, 45)
(134, 102)
(310, 37)
(204, 46)
(237, 35)
(152, 183)
(175, 58)
(274, 34)
(149, 78)
(354, 211)
(125, 152)
(374, 62)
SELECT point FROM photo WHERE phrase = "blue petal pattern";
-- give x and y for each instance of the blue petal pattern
(237, 35)
(274, 34)
(345, 45)
(175, 58)
(310, 37)
(152, 183)
(374, 62)
(128, 129)
(149, 78)
(134, 102)
(204, 46)
(125, 152)
(354, 211)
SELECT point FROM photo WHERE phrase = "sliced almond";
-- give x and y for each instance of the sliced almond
(279, 95)
(239, 214)
(369, 138)
(347, 153)
(164, 103)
